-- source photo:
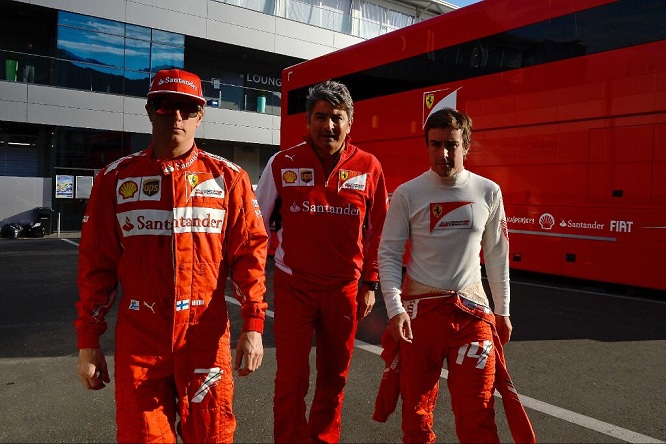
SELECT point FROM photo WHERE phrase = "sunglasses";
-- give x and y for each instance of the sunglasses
(167, 107)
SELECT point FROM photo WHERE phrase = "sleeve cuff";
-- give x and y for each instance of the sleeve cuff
(254, 324)
(87, 341)
(393, 302)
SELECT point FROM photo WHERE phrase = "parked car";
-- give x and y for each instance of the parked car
(15, 230)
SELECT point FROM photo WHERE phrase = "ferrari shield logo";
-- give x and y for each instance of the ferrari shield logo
(192, 179)
(451, 216)
(352, 180)
(438, 99)
(429, 100)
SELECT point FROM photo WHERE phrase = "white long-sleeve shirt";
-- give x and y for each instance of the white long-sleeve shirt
(446, 221)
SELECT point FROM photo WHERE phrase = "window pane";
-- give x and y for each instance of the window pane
(397, 20)
(299, 10)
(88, 148)
(330, 14)
(265, 6)
(137, 55)
(165, 57)
(109, 56)
(336, 15)
(168, 38)
(137, 32)
(91, 47)
(19, 156)
(137, 83)
(90, 23)
(372, 16)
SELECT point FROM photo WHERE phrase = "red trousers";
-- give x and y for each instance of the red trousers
(301, 311)
(389, 387)
(444, 331)
(153, 392)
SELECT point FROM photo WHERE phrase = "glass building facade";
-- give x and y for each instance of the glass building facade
(107, 56)
(69, 53)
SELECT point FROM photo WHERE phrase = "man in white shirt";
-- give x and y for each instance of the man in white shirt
(441, 312)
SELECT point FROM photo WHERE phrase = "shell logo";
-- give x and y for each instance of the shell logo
(289, 176)
(128, 189)
(546, 221)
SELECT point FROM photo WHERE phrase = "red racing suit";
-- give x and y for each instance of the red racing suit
(170, 233)
(328, 239)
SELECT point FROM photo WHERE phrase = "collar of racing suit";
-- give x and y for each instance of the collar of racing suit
(179, 163)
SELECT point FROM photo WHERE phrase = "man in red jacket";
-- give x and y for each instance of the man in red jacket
(331, 199)
(170, 224)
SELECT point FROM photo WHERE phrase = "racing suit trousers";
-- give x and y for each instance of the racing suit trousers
(444, 330)
(302, 310)
(153, 391)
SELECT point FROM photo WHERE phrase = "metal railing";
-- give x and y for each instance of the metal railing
(52, 71)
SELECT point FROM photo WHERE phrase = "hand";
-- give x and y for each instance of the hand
(251, 348)
(92, 369)
(366, 300)
(400, 327)
(504, 328)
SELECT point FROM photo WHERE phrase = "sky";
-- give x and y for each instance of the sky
(462, 2)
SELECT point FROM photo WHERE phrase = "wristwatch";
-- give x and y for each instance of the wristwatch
(372, 285)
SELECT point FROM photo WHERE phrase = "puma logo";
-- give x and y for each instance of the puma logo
(151, 306)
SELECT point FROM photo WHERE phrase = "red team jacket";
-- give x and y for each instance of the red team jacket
(342, 213)
(171, 232)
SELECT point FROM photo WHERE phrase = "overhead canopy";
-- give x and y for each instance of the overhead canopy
(432, 6)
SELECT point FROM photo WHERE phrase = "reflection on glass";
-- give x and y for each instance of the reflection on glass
(168, 38)
(137, 55)
(136, 83)
(90, 77)
(137, 32)
(96, 24)
(234, 95)
(108, 56)
(81, 45)
(164, 57)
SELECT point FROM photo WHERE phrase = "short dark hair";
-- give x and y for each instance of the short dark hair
(450, 118)
(332, 91)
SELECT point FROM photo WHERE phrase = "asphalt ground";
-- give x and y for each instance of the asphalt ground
(589, 362)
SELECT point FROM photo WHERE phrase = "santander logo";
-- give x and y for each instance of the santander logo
(177, 80)
(166, 223)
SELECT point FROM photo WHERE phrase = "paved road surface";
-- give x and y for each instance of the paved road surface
(590, 366)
